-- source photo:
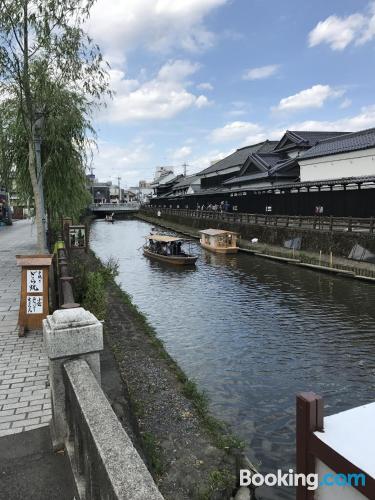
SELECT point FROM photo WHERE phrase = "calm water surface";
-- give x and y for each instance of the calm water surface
(253, 333)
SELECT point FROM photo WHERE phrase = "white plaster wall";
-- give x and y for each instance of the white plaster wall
(352, 164)
(334, 492)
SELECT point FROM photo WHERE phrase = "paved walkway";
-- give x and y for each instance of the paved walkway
(24, 391)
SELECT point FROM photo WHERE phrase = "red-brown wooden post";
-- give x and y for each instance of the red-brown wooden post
(309, 418)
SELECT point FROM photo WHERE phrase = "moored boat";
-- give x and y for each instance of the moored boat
(168, 249)
(219, 240)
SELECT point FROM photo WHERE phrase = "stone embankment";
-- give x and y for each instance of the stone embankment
(320, 251)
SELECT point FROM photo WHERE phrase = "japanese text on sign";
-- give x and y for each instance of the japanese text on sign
(34, 280)
(34, 304)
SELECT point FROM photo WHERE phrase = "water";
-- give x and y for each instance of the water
(253, 333)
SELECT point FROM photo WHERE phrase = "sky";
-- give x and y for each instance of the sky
(196, 79)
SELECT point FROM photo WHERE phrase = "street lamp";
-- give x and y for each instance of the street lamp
(38, 126)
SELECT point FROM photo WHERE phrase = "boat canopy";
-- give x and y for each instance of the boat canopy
(216, 232)
(164, 238)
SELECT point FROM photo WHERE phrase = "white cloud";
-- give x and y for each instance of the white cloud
(181, 153)
(237, 131)
(158, 25)
(261, 72)
(111, 161)
(205, 160)
(205, 86)
(339, 32)
(313, 97)
(162, 97)
(346, 103)
(363, 120)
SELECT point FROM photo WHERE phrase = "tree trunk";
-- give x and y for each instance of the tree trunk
(39, 216)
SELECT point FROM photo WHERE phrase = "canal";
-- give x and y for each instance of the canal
(252, 333)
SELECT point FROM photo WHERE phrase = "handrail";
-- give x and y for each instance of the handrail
(315, 222)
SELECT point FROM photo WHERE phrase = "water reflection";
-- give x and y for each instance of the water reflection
(253, 333)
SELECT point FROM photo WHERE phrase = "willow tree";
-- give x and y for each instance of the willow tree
(47, 36)
(67, 135)
(6, 149)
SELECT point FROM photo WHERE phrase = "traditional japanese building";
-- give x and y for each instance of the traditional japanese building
(304, 170)
(216, 174)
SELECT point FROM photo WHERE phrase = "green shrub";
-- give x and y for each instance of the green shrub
(94, 298)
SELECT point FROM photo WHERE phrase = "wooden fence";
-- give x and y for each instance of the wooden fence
(318, 223)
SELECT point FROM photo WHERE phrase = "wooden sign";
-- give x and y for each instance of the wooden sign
(34, 291)
(77, 237)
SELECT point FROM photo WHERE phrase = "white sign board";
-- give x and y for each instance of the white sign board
(34, 304)
(34, 280)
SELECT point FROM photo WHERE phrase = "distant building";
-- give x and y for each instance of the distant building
(189, 184)
(143, 194)
(144, 185)
(163, 171)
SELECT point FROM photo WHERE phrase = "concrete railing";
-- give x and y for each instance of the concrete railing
(104, 461)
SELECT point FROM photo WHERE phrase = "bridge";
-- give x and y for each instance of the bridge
(102, 209)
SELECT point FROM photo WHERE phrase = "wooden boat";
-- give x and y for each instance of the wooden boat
(219, 241)
(168, 249)
(110, 218)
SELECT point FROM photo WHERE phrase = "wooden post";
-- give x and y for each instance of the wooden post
(331, 223)
(34, 305)
(309, 418)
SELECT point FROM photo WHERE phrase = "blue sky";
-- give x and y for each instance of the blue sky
(196, 79)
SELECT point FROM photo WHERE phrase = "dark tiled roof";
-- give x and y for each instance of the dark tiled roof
(306, 139)
(354, 141)
(244, 178)
(187, 181)
(268, 146)
(236, 159)
(271, 159)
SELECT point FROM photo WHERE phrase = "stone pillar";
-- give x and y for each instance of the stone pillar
(69, 333)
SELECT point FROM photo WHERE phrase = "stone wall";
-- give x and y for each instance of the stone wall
(340, 243)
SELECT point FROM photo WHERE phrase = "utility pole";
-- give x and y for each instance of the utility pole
(119, 189)
(185, 165)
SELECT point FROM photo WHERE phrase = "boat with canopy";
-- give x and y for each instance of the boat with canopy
(168, 249)
(219, 241)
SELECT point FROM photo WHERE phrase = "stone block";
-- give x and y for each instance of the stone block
(71, 332)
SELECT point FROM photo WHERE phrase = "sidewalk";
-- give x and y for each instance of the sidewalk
(24, 392)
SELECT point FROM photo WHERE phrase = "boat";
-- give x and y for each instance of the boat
(110, 218)
(219, 240)
(168, 249)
